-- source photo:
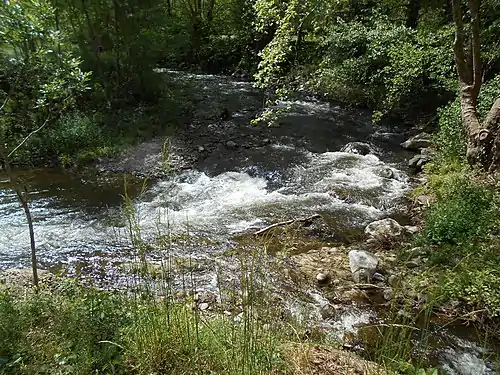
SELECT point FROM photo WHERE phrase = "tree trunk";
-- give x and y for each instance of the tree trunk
(483, 147)
(23, 198)
(412, 13)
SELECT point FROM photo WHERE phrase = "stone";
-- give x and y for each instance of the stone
(378, 277)
(426, 151)
(418, 161)
(416, 251)
(392, 280)
(388, 294)
(414, 263)
(353, 295)
(363, 265)
(387, 173)
(424, 200)
(322, 278)
(411, 229)
(417, 142)
(357, 148)
(204, 306)
(205, 297)
(384, 228)
(231, 144)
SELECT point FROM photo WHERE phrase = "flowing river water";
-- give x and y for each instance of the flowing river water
(236, 176)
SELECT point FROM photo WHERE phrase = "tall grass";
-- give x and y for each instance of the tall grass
(152, 327)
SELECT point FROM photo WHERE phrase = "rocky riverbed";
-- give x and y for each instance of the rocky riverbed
(219, 180)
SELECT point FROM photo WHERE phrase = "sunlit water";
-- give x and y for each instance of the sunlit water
(298, 172)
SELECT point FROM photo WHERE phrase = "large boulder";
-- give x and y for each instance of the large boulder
(418, 161)
(384, 229)
(357, 148)
(363, 265)
(417, 142)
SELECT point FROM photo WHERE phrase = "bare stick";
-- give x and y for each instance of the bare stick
(29, 136)
(287, 222)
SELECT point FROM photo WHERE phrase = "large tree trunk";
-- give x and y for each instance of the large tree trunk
(483, 137)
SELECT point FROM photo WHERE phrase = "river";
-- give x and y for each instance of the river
(236, 177)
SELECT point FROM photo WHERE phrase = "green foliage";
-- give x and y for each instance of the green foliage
(80, 330)
(41, 77)
(451, 140)
(475, 282)
(365, 57)
(463, 214)
(74, 132)
(60, 333)
(460, 236)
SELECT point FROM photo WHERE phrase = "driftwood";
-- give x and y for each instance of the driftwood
(287, 222)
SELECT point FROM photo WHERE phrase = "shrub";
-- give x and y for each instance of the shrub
(74, 132)
(477, 283)
(462, 217)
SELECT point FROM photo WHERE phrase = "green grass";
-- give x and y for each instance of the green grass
(81, 330)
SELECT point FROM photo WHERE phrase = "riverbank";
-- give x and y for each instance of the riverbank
(214, 184)
(244, 329)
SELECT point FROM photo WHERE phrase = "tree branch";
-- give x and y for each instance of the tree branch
(492, 121)
(29, 136)
(475, 48)
(287, 222)
(458, 44)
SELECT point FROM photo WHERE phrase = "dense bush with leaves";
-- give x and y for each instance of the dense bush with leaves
(475, 282)
(389, 68)
(463, 214)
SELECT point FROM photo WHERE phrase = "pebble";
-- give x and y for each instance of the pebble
(414, 263)
(393, 279)
(322, 278)
(388, 294)
(204, 306)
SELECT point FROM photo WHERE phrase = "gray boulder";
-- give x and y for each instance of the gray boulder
(231, 144)
(357, 148)
(384, 228)
(418, 161)
(386, 172)
(422, 140)
(363, 265)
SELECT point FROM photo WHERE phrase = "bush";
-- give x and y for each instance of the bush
(462, 217)
(477, 283)
(74, 132)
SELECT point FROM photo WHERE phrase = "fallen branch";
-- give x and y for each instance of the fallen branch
(288, 222)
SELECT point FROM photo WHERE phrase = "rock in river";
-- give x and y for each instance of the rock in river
(418, 161)
(363, 265)
(384, 228)
(231, 144)
(417, 142)
(357, 148)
